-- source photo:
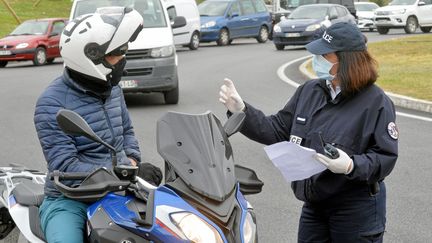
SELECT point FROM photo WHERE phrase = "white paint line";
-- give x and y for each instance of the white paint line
(283, 77)
(281, 72)
(423, 118)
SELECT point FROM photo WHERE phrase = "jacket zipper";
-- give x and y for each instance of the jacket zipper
(110, 127)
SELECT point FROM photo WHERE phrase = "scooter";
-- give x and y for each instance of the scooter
(202, 199)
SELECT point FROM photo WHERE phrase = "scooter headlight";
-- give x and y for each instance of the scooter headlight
(249, 229)
(196, 229)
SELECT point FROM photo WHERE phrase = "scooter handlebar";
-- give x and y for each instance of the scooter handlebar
(68, 175)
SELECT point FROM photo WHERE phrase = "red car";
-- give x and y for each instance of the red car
(35, 40)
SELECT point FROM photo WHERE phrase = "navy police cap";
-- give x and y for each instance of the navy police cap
(341, 36)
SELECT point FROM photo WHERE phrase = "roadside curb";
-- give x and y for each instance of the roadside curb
(398, 100)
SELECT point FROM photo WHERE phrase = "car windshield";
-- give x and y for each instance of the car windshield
(212, 8)
(31, 28)
(290, 4)
(365, 7)
(309, 12)
(403, 2)
(151, 10)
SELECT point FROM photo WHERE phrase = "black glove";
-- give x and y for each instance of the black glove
(150, 173)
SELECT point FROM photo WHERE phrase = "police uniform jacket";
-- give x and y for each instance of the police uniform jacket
(362, 125)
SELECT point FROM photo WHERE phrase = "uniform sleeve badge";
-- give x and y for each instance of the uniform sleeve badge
(393, 130)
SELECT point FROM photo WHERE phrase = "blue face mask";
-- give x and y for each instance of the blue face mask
(322, 67)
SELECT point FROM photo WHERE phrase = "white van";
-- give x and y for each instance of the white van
(151, 59)
(189, 35)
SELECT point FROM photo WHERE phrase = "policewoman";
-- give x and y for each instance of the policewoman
(346, 202)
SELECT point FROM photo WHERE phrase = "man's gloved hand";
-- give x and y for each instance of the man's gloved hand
(150, 173)
(230, 98)
(342, 165)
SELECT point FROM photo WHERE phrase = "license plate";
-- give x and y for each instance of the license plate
(5, 53)
(128, 84)
(292, 35)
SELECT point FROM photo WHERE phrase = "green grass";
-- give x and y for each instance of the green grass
(404, 65)
(25, 10)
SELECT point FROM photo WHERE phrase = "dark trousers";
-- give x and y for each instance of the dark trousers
(353, 217)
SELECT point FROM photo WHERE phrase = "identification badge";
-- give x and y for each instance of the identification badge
(301, 120)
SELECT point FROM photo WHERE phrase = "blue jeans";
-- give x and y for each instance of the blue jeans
(355, 216)
(63, 220)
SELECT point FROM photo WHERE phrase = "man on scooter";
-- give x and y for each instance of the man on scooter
(93, 48)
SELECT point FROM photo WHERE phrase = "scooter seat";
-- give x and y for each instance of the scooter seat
(28, 193)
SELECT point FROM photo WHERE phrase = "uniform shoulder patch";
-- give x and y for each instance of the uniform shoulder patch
(393, 130)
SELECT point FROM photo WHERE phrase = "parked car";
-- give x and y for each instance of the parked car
(189, 35)
(406, 14)
(36, 40)
(306, 22)
(365, 15)
(224, 20)
(285, 7)
(151, 59)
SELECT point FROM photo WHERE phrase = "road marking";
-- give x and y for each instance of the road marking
(283, 77)
(423, 118)
(281, 72)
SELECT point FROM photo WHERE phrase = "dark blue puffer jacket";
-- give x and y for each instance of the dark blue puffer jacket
(109, 119)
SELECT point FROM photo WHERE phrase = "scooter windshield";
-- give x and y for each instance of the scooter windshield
(197, 148)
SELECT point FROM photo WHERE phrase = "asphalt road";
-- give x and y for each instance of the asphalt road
(253, 67)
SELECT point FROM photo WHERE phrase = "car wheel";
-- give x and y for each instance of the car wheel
(223, 38)
(425, 29)
(172, 96)
(382, 30)
(50, 60)
(3, 64)
(279, 47)
(40, 56)
(195, 41)
(411, 25)
(263, 35)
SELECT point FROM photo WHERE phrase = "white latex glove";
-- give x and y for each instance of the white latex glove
(342, 165)
(229, 96)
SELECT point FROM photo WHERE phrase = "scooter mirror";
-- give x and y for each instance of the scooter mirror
(73, 124)
(234, 123)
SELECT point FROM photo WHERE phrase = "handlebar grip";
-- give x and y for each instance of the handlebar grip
(68, 175)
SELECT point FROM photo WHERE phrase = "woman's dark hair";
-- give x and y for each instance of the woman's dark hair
(357, 70)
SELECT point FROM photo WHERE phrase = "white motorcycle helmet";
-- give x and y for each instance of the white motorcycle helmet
(86, 40)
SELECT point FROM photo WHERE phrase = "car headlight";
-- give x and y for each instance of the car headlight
(195, 229)
(277, 29)
(313, 27)
(208, 24)
(22, 45)
(249, 229)
(164, 51)
(399, 11)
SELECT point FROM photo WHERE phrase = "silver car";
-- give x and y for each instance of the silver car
(365, 14)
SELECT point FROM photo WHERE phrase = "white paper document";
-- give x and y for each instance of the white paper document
(294, 161)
